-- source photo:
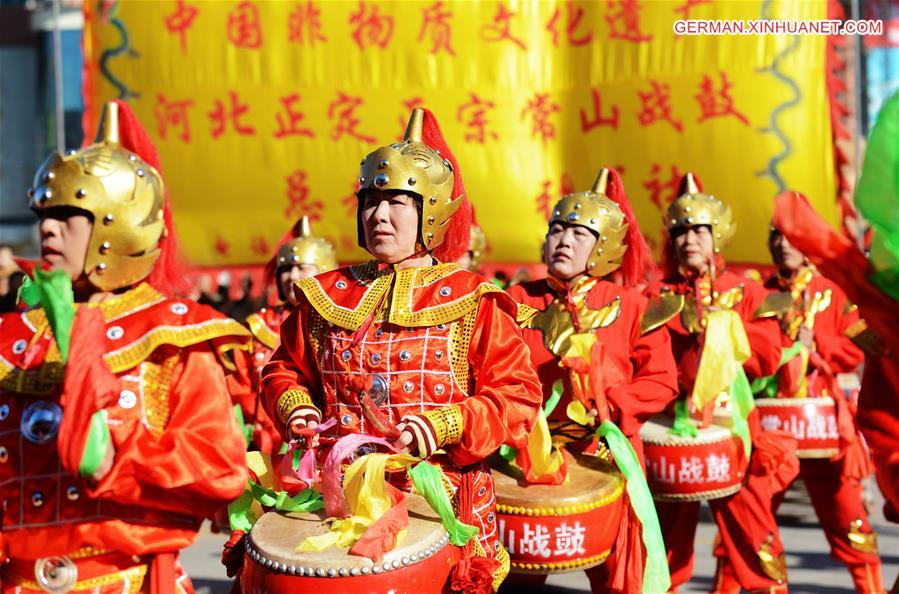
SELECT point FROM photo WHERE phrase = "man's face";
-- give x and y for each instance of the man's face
(567, 250)
(694, 247)
(786, 257)
(65, 234)
(390, 225)
(288, 275)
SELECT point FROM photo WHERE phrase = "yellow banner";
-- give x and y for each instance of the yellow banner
(262, 110)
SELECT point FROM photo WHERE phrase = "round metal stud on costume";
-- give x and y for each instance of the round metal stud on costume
(55, 574)
(446, 292)
(115, 332)
(72, 493)
(405, 355)
(37, 499)
(104, 247)
(346, 420)
(375, 358)
(439, 389)
(438, 355)
(80, 193)
(381, 180)
(345, 355)
(127, 399)
(179, 309)
(40, 421)
(379, 389)
(4, 455)
(19, 346)
(408, 386)
(340, 284)
(4, 411)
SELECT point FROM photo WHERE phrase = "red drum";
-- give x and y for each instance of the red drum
(420, 564)
(709, 466)
(812, 421)
(560, 528)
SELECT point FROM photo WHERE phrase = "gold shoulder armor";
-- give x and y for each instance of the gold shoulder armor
(660, 310)
(775, 305)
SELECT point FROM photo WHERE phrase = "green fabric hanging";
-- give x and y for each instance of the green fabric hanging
(656, 578)
(429, 483)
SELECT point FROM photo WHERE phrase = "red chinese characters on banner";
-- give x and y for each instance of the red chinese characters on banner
(656, 105)
(623, 17)
(662, 190)
(474, 116)
(684, 9)
(717, 103)
(501, 28)
(299, 202)
(289, 120)
(595, 118)
(180, 21)
(220, 116)
(304, 25)
(545, 200)
(539, 109)
(172, 114)
(370, 28)
(435, 24)
(342, 110)
(259, 245)
(576, 30)
(409, 104)
(244, 26)
(222, 247)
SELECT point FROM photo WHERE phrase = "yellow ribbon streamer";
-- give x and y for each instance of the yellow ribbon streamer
(368, 499)
(726, 348)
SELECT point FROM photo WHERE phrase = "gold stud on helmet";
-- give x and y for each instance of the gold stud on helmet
(597, 212)
(695, 208)
(413, 167)
(307, 249)
(123, 193)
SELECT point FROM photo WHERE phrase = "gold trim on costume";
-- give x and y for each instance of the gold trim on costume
(775, 305)
(290, 400)
(865, 542)
(660, 310)
(156, 385)
(261, 332)
(447, 423)
(134, 575)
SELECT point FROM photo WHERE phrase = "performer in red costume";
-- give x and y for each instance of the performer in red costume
(699, 226)
(838, 257)
(116, 429)
(819, 318)
(592, 235)
(437, 348)
(299, 254)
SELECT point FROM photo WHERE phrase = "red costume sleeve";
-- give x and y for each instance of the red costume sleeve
(197, 464)
(291, 366)
(763, 333)
(831, 341)
(506, 396)
(654, 383)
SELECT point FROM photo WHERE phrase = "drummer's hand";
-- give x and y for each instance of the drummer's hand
(302, 418)
(593, 416)
(807, 337)
(417, 436)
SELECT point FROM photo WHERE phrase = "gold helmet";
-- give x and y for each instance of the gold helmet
(693, 207)
(124, 194)
(414, 167)
(306, 248)
(599, 213)
(477, 247)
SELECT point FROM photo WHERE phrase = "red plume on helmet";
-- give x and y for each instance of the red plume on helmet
(458, 234)
(638, 264)
(168, 275)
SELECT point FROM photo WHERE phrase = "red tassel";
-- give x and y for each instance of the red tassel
(458, 234)
(169, 275)
(638, 264)
(232, 554)
(473, 575)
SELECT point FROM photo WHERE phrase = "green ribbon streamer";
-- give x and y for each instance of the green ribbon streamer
(428, 482)
(742, 403)
(97, 444)
(53, 291)
(509, 453)
(682, 426)
(656, 577)
(766, 387)
(246, 430)
(240, 515)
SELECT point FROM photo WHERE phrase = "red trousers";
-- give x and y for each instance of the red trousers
(745, 523)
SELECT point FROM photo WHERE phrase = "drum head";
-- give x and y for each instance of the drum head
(656, 432)
(590, 479)
(276, 536)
